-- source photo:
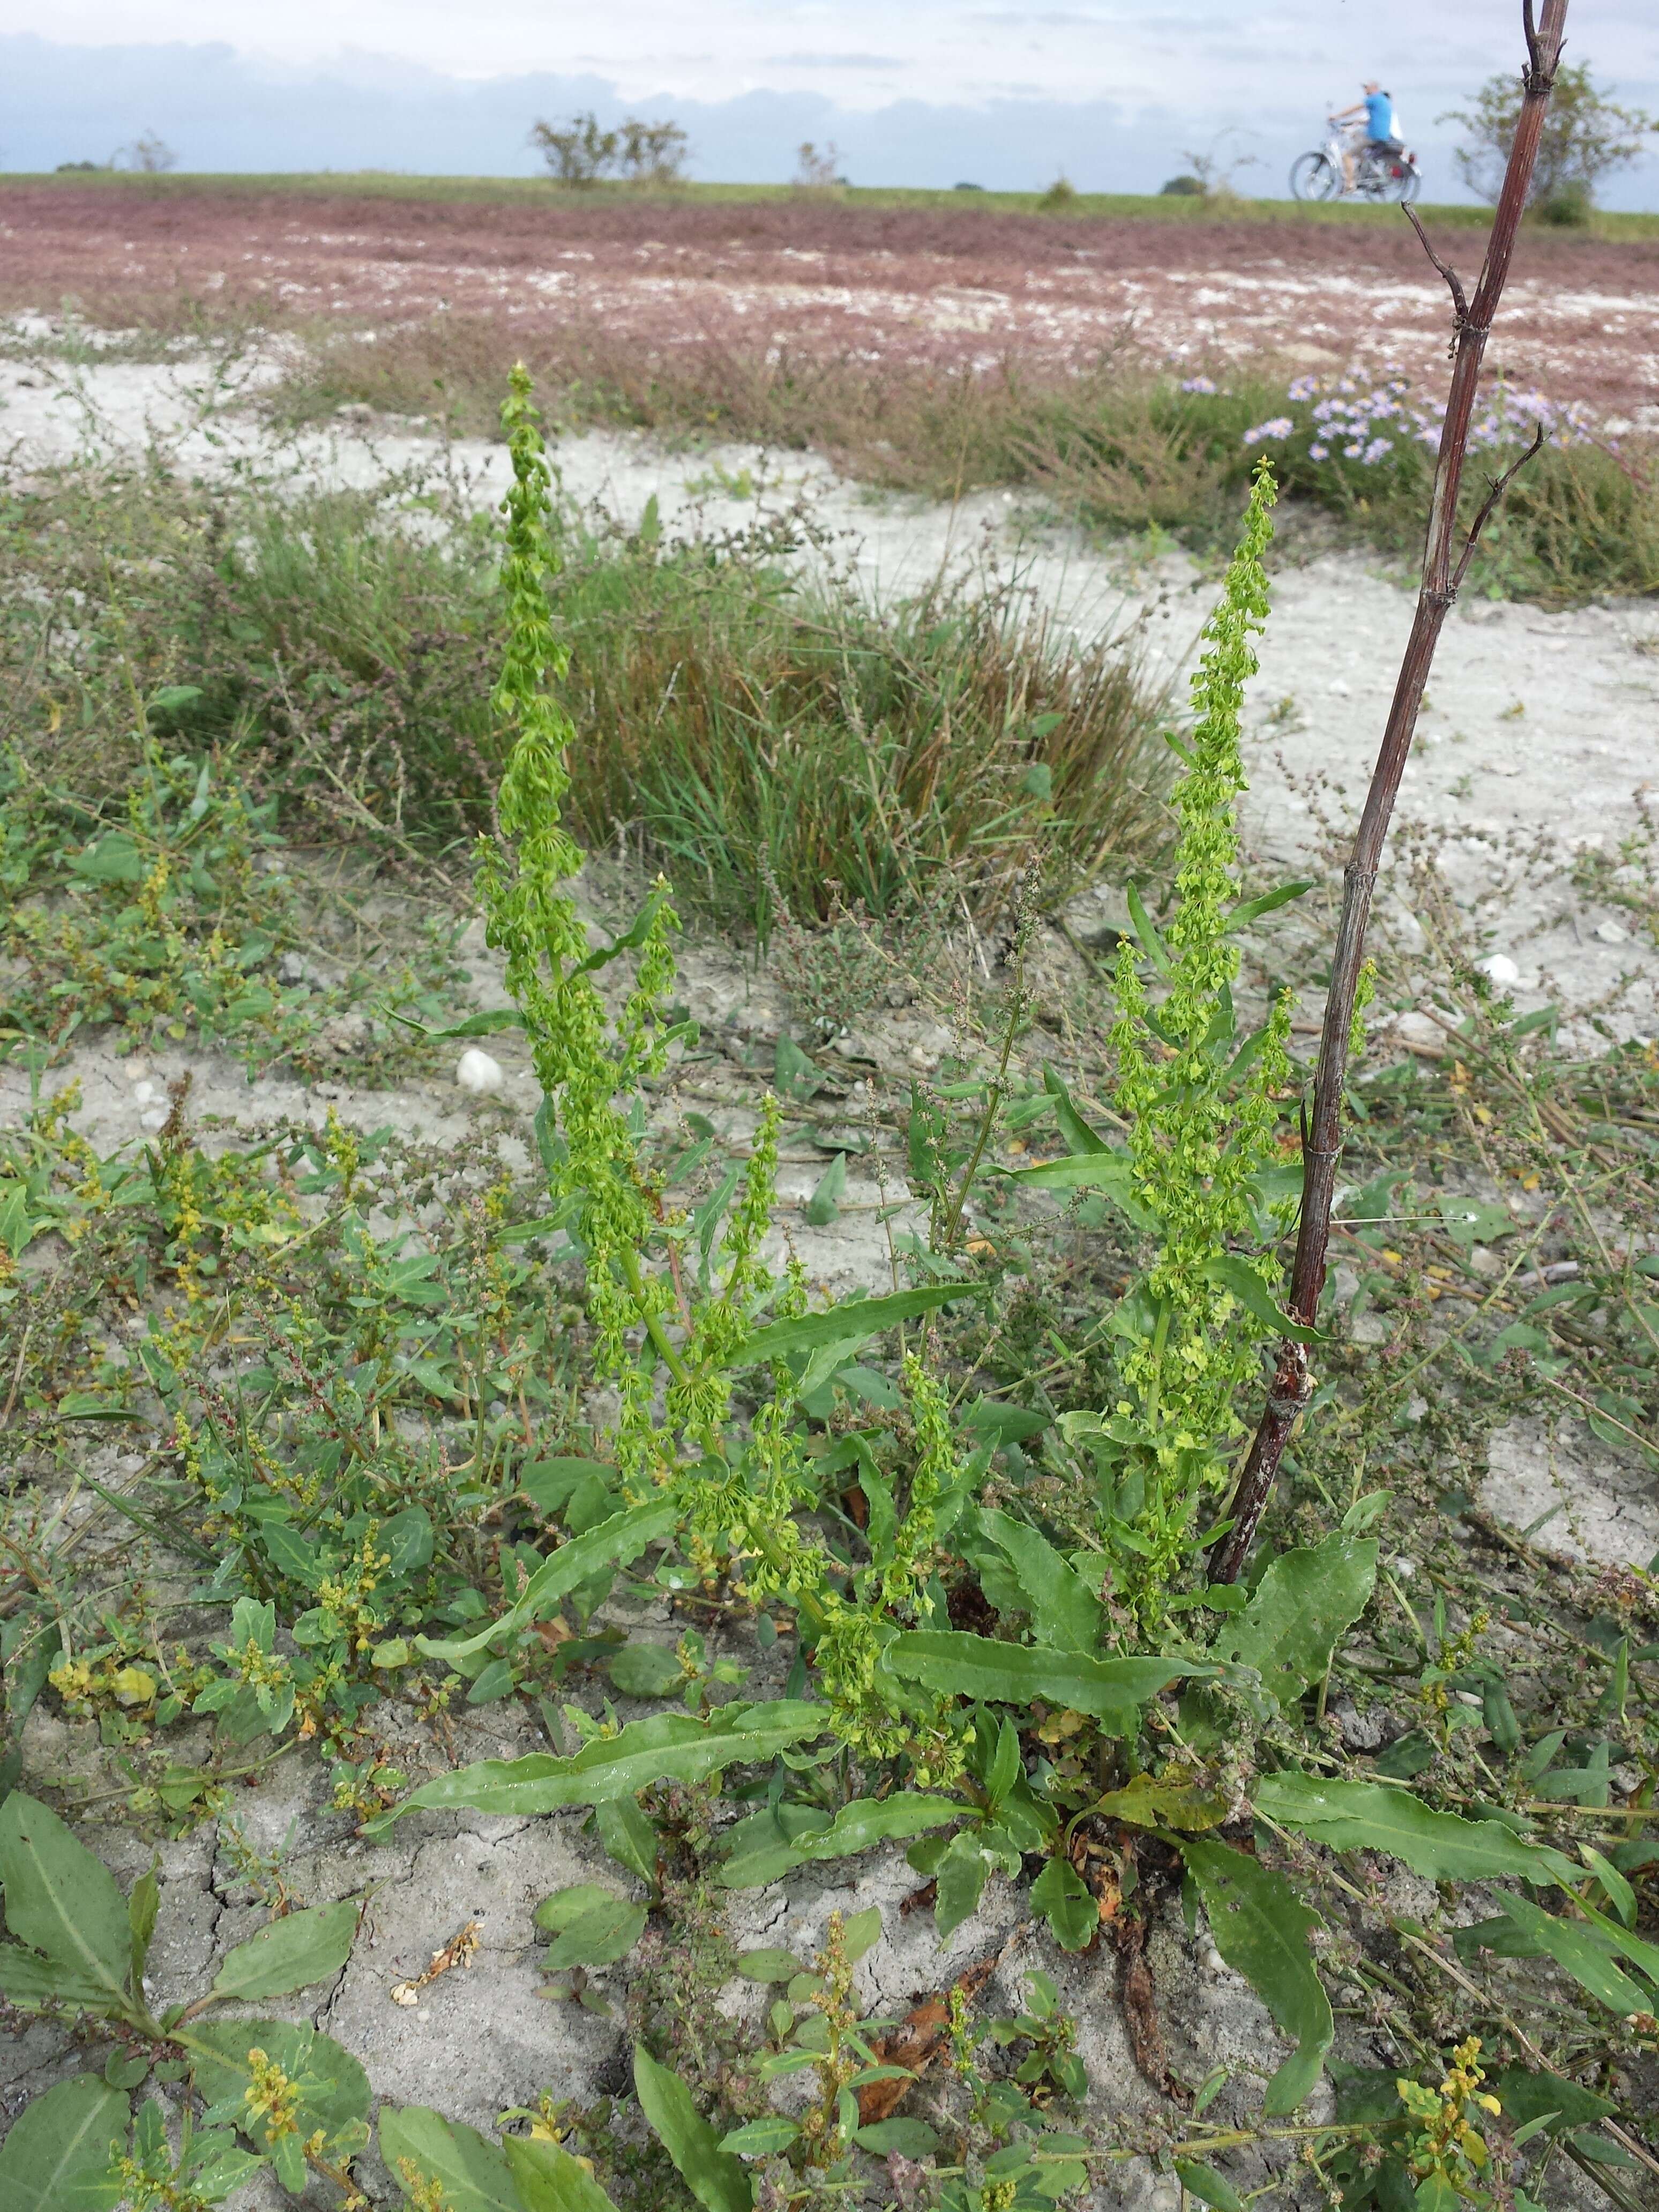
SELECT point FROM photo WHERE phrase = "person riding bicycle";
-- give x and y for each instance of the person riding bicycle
(1381, 129)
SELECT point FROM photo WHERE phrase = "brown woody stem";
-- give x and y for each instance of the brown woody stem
(1443, 570)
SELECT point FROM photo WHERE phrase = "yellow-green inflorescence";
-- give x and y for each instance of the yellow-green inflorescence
(1201, 1133)
(739, 1496)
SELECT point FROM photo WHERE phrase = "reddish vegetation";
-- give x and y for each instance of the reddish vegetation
(951, 286)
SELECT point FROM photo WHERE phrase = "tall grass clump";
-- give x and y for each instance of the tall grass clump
(754, 732)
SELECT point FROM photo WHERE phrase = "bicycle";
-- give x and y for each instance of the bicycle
(1378, 172)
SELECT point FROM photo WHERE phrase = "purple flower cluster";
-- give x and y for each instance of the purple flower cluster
(1198, 384)
(1369, 421)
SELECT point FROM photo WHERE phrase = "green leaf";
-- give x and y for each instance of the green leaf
(142, 1905)
(1207, 2185)
(714, 2177)
(550, 2180)
(854, 1828)
(769, 1965)
(645, 1670)
(1065, 1900)
(471, 2173)
(960, 1875)
(860, 1932)
(1372, 1816)
(1246, 911)
(31, 1981)
(1261, 1929)
(665, 1748)
(1064, 1611)
(979, 1667)
(1303, 1603)
(1079, 1137)
(113, 860)
(290, 1954)
(615, 1541)
(566, 1907)
(1585, 1952)
(851, 1322)
(549, 1484)
(822, 1208)
(334, 2089)
(1144, 928)
(598, 1937)
(63, 1900)
(1526, 2098)
(629, 1838)
(912, 2138)
(1145, 1803)
(58, 2155)
(761, 2138)
(1241, 1280)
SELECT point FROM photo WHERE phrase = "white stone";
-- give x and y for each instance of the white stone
(479, 1071)
(1501, 968)
(1612, 932)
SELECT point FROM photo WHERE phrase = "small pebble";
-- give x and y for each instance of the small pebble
(1501, 968)
(1612, 932)
(479, 1071)
(144, 1094)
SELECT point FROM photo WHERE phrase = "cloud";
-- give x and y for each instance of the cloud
(223, 111)
(838, 61)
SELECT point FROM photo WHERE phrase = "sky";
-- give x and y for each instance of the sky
(911, 91)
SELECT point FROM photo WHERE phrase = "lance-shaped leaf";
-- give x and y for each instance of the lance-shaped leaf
(1144, 1801)
(665, 1748)
(1064, 1610)
(58, 2155)
(1374, 1816)
(714, 2177)
(852, 1322)
(62, 1900)
(472, 2174)
(765, 1853)
(612, 1543)
(1262, 1928)
(304, 1947)
(1303, 1603)
(1111, 1690)
(1229, 1273)
(1589, 1953)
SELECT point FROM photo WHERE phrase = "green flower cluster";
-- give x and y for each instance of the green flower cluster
(1202, 1108)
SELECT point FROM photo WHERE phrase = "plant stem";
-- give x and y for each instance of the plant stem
(1292, 1382)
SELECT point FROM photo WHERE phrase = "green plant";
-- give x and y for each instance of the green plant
(1585, 136)
(77, 1953)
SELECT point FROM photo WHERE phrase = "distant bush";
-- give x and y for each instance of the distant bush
(967, 188)
(1062, 193)
(1569, 206)
(1586, 138)
(71, 169)
(639, 152)
(817, 167)
(1185, 187)
(148, 153)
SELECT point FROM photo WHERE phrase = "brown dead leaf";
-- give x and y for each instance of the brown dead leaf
(916, 2042)
(460, 1951)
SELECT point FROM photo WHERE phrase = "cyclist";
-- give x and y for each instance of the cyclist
(1381, 128)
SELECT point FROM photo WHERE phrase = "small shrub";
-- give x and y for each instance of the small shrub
(1185, 187)
(1060, 196)
(1586, 137)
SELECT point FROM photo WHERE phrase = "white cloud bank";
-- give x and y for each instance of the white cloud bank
(928, 93)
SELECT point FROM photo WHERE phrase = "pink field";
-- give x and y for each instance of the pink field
(1581, 320)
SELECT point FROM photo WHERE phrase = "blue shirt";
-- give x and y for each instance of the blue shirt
(1379, 114)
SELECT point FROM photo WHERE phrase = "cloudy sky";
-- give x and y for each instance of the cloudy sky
(910, 89)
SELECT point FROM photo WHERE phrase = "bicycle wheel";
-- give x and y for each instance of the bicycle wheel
(1406, 184)
(1314, 177)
